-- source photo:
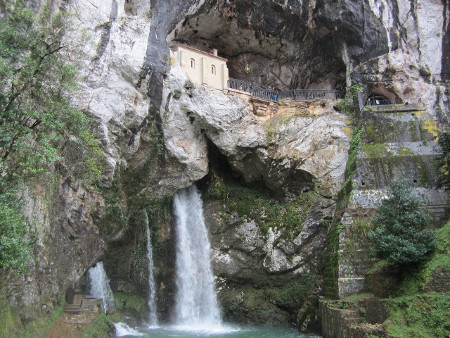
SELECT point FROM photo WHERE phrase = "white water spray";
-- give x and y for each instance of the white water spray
(99, 286)
(151, 280)
(123, 329)
(196, 302)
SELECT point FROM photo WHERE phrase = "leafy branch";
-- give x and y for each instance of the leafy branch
(37, 120)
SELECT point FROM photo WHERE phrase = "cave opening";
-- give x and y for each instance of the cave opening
(267, 45)
(221, 172)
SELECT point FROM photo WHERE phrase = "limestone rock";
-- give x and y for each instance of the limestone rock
(401, 45)
(287, 152)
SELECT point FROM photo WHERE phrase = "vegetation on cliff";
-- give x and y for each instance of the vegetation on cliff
(444, 177)
(38, 123)
(287, 216)
(421, 306)
(399, 235)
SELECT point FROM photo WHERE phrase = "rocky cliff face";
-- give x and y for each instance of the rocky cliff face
(157, 131)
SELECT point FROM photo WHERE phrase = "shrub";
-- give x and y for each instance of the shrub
(400, 236)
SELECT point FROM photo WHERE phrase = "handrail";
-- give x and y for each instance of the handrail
(275, 95)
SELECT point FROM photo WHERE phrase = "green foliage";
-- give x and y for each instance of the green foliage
(399, 235)
(36, 84)
(115, 217)
(420, 315)
(38, 125)
(375, 150)
(418, 280)
(267, 212)
(347, 187)
(349, 105)
(123, 301)
(14, 241)
(99, 328)
(331, 261)
(416, 312)
(11, 324)
(444, 177)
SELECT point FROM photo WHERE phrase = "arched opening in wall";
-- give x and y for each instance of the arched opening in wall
(268, 45)
(377, 100)
(379, 95)
(193, 63)
(213, 70)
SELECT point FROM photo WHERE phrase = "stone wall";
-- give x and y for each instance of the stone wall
(393, 143)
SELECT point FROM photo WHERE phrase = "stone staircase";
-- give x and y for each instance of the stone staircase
(350, 319)
(398, 142)
(81, 303)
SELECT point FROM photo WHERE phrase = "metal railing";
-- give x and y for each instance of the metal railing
(275, 95)
(248, 87)
(310, 94)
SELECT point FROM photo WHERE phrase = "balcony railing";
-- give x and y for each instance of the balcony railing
(274, 95)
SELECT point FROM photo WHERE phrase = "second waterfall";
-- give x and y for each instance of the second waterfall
(196, 304)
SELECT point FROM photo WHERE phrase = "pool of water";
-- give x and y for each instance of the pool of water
(230, 330)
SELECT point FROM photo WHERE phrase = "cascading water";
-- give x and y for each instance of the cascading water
(99, 286)
(196, 304)
(151, 281)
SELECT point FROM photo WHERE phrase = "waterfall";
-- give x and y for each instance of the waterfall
(151, 280)
(99, 286)
(196, 304)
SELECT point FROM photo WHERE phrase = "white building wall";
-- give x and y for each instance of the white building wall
(199, 67)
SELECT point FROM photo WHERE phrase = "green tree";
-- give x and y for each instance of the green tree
(37, 120)
(400, 235)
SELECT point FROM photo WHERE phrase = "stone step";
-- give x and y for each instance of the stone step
(75, 311)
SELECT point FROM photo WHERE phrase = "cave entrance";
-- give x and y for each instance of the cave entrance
(222, 174)
(268, 45)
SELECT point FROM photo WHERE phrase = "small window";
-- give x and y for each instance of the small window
(192, 63)
(213, 70)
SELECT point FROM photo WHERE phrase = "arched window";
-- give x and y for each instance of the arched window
(192, 63)
(213, 70)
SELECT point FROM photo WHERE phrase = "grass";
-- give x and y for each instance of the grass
(420, 315)
(11, 324)
(101, 327)
(417, 312)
